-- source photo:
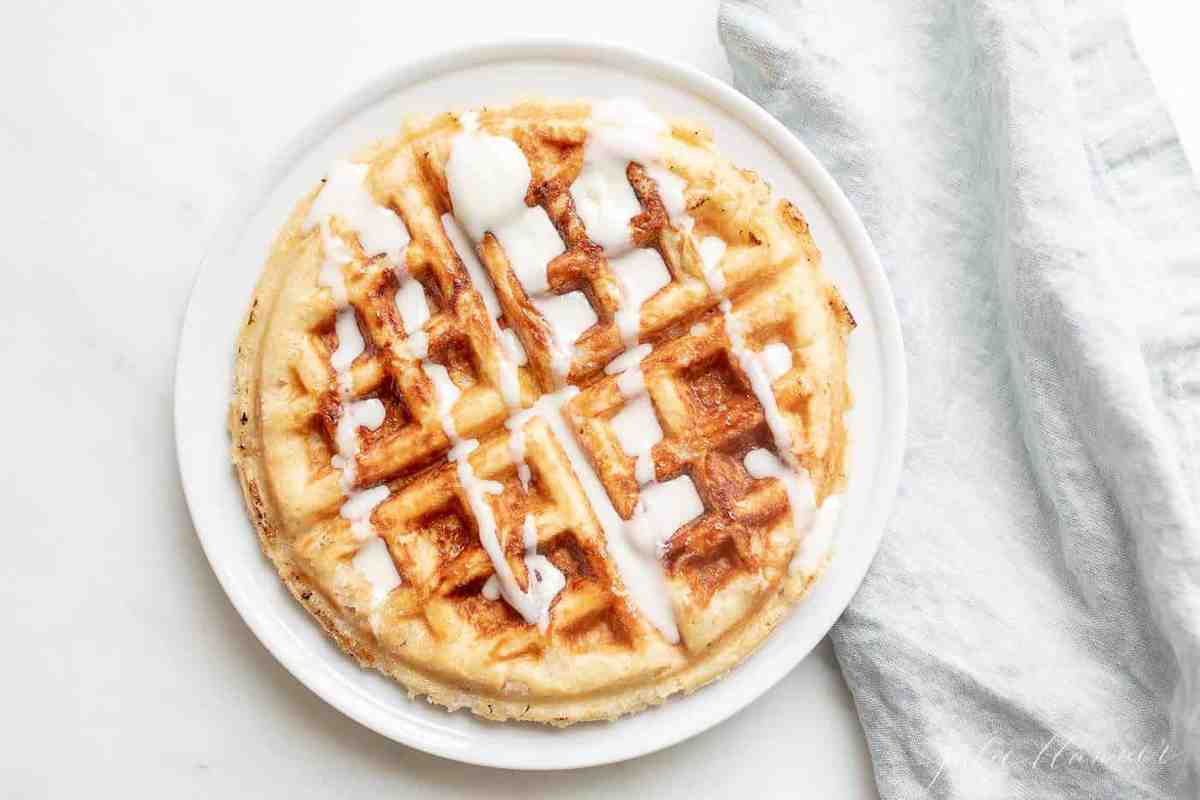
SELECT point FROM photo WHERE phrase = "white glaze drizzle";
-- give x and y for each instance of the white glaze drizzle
(637, 430)
(418, 344)
(629, 358)
(777, 359)
(670, 191)
(631, 382)
(760, 384)
(606, 202)
(815, 526)
(622, 130)
(530, 242)
(642, 574)
(375, 564)
(447, 394)
(345, 196)
(662, 509)
(359, 507)
(358, 414)
(711, 249)
(488, 177)
(533, 603)
(545, 579)
(350, 346)
(516, 450)
(354, 415)
(412, 305)
(640, 273)
(568, 315)
(512, 347)
(643, 469)
(636, 426)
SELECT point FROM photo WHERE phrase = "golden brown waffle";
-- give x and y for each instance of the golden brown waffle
(437, 632)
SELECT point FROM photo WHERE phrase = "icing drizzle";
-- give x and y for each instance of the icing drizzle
(345, 196)
(488, 177)
(641, 573)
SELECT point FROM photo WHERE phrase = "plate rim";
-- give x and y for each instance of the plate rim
(893, 364)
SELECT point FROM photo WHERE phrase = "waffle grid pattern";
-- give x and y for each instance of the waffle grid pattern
(707, 412)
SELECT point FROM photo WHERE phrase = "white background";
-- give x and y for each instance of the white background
(125, 132)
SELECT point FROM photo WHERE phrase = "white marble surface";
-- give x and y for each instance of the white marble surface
(126, 130)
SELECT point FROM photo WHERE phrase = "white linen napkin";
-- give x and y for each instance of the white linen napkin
(1031, 625)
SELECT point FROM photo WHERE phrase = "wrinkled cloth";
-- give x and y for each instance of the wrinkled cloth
(1031, 624)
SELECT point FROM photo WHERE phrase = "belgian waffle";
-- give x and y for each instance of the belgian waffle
(540, 409)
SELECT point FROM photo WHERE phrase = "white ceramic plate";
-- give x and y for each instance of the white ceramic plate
(496, 74)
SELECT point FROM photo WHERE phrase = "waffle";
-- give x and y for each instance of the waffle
(540, 409)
